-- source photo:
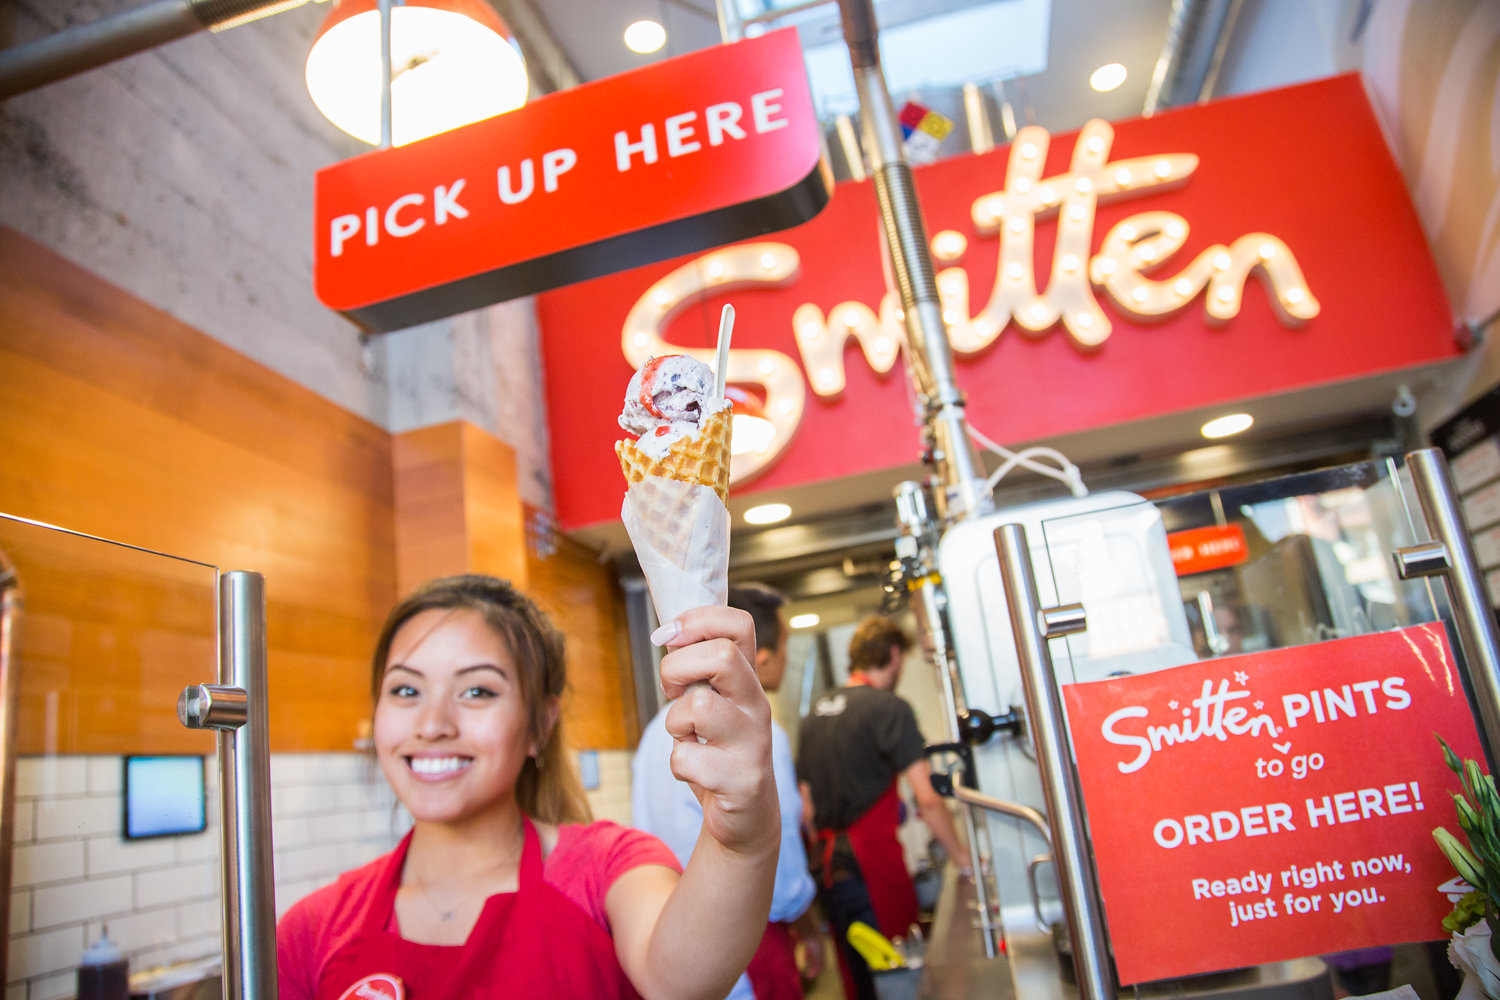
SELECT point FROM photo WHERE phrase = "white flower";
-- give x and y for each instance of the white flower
(1470, 953)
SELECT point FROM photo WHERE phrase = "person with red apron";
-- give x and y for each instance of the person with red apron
(503, 886)
(852, 747)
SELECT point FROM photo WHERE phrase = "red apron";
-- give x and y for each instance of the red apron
(882, 862)
(773, 970)
(534, 942)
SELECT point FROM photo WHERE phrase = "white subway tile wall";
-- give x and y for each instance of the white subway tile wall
(73, 876)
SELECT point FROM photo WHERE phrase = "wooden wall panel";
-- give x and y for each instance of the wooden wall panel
(432, 531)
(497, 540)
(581, 595)
(458, 509)
(119, 421)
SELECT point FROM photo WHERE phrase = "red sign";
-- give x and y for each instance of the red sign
(1263, 807)
(1307, 165)
(688, 153)
(1199, 550)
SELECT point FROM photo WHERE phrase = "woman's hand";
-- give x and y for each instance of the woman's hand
(693, 936)
(721, 724)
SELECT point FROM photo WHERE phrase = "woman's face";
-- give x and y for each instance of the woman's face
(450, 722)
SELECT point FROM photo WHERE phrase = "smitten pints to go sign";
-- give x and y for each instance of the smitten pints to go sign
(1258, 808)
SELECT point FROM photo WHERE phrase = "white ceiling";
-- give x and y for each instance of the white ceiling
(1082, 35)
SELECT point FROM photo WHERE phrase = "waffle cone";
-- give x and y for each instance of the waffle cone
(703, 460)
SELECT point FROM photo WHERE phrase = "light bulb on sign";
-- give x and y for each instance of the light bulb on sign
(750, 435)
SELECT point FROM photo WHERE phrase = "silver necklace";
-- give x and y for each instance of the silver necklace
(443, 915)
(446, 916)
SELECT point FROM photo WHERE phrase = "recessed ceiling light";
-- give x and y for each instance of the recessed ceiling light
(767, 513)
(1107, 77)
(803, 621)
(645, 36)
(1225, 426)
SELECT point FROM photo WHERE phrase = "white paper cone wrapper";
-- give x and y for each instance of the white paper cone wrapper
(680, 533)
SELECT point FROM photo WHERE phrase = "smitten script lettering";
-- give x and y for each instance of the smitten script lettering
(1124, 269)
(1214, 718)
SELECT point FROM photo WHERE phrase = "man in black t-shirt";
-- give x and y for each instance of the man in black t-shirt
(852, 747)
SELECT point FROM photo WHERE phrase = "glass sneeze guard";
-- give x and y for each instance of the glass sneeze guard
(105, 638)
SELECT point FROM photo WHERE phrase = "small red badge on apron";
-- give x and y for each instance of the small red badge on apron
(380, 986)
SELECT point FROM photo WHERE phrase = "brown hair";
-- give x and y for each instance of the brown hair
(548, 788)
(762, 603)
(870, 648)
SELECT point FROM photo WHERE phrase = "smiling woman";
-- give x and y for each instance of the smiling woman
(503, 884)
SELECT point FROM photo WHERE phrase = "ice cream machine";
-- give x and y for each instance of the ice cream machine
(1107, 551)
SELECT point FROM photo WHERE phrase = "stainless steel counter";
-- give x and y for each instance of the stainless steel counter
(1029, 967)
(955, 966)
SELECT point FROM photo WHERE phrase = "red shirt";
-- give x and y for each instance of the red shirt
(585, 863)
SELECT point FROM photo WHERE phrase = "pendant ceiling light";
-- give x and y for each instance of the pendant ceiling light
(452, 63)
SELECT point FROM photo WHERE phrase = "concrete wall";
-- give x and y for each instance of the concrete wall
(184, 174)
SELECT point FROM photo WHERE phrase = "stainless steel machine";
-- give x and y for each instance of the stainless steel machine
(1106, 551)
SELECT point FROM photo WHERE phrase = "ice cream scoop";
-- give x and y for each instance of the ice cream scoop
(667, 399)
(677, 482)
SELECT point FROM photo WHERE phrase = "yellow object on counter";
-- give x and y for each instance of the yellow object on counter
(874, 947)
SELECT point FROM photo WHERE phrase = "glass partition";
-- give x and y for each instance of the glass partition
(107, 637)
(1295, 578)
(1273, 564)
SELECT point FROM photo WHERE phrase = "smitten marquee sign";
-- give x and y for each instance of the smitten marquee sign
(1214, 253)
(676, 157)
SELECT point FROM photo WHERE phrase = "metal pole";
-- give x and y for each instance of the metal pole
(237, 708)
(905, 239)
(1032, 626)
(1459, 566)
(87, 46)
(977, 117)
(928, 596)
(385, 74)
(245, 771)
(10, 690)
(924, 587)
(731, 28)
